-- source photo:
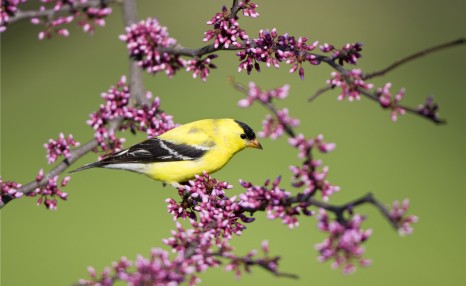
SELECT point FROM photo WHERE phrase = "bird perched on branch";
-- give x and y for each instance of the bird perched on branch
(179, 154)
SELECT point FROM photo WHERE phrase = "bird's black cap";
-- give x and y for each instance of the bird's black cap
(247, 130)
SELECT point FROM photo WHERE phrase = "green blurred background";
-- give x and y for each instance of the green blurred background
(51, 86)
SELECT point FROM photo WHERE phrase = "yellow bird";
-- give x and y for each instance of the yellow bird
(179, 154)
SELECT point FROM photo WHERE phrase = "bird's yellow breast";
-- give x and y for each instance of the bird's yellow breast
(182, 171)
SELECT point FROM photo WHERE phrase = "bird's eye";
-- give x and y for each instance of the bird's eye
(243, 136)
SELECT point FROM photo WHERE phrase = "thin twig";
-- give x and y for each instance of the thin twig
(460, 41)
(319, 92)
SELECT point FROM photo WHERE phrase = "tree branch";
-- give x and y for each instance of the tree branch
(460, 41)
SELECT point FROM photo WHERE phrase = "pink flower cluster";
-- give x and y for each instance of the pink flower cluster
(146, 41)
(343, 245)
(201, 66)
(60, 147)
(271, 48)
(398, 215)
(226, 30)
(8, 9)
(86, 16)
(147, 118)
(191, 257)
(386, 100)
(274, 200)
(307, 175)
(349, 53)
(304, 145)
(9, 189)
(350, 84)
(249, 8)
(274, 127)
(48, 194)
(206, 197)
(256, 93)
(158, 269)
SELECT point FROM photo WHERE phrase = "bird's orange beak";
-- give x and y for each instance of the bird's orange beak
(254, 144)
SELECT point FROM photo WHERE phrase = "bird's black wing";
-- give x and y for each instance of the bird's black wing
(150, 151)
(156, 150)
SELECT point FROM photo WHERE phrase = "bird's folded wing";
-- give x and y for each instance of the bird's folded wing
(157, 150)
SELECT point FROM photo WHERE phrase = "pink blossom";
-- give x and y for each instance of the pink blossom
(249, 8)
(146, 41)
(275, 201)
(8, 9)
(255, 93)
(275, 127)
(10, 189)
(386, 100)
(48, 194)
(398, 215)
(226, 30)
(344, 244)
(201, 66)
(60, 147)
(271, 48)
(350, 83)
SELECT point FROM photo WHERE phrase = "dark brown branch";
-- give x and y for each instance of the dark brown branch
(460, 41)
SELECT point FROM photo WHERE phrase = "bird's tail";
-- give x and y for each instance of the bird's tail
(88, 166)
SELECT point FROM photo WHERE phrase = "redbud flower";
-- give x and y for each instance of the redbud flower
(271, 49)
(146, 41)
(59, 147)
(226, 30)
(275, 127)
(201, 66)
(255, 93)
(275, 201)
(304, 145)
(8, 9)
(397, 214)
(9, 188)
(150, 119)
(386, 100)
(343, 245)
(349, 53)
(48, 194)
(249, 8)
(350, 83)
